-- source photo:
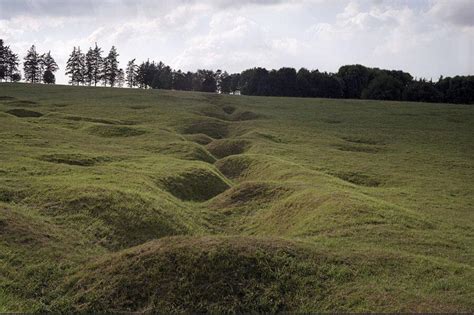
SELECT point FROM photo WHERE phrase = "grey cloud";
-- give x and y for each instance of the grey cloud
(113, 8)
(12, 8)
(457, 12)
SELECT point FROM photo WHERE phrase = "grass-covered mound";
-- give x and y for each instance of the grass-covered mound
(247, 275)
(359, 178)
(145, 200)
(251, 193)
(228, 113)
(116, 218)
(199, 138)
(186, 150)
(225, 147)
(18, 102)
(213, 128)
(196, 183)
(201, 275)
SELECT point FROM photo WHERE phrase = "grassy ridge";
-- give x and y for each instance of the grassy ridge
(132, 200)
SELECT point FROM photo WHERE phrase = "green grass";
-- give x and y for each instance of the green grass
(162, 201)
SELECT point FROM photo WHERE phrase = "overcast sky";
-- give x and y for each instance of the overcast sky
(427, 38)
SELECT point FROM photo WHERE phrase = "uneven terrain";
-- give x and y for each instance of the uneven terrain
(130, 200)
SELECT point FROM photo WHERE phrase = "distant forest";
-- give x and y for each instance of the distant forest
(351, 81)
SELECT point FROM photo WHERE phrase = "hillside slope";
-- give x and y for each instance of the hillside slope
(145, 200)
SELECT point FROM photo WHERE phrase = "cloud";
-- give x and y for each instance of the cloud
(12, 8)
(459, 12)
(231, 42)
(396, 36)
(112, 8)
(425, 37)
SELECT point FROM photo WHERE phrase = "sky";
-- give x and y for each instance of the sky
(427, 38)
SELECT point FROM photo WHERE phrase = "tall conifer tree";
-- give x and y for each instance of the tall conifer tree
(132, 69)
(50, 66)
(111, 67)
(75, 67)
(31, 66)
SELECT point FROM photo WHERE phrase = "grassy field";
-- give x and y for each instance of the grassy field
(150, 200)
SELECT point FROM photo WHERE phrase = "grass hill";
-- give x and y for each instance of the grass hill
(146, 200)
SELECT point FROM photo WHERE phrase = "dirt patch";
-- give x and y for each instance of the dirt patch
(358, 179)
(212, 128)
(112, 131)
(198, 184)
(23, 113)
(225, 147)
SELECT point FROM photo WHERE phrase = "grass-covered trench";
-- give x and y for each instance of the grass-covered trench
(128, 200)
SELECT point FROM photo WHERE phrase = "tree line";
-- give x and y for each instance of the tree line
(351, 81)
(37, 68)
(356, 81)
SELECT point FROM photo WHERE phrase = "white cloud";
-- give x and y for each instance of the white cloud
(231, 43)
(425, 37)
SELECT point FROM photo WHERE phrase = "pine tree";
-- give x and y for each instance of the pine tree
(41, 67)
(50, 66)
(75, 67)
(49, 63)
(111, 67)
(8, 63)
(12, 62)
(132, 69)
(31, 66)
(141, 74)
(89, 67)
(3, 63)
(94, 64)
(48, 77)
(120, 78)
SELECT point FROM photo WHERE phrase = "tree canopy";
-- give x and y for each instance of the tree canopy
(350, 81)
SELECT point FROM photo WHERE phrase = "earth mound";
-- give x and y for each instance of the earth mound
(199, 275)
(187, 151)
(197, 184)
(225, 147)
(212, 128)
